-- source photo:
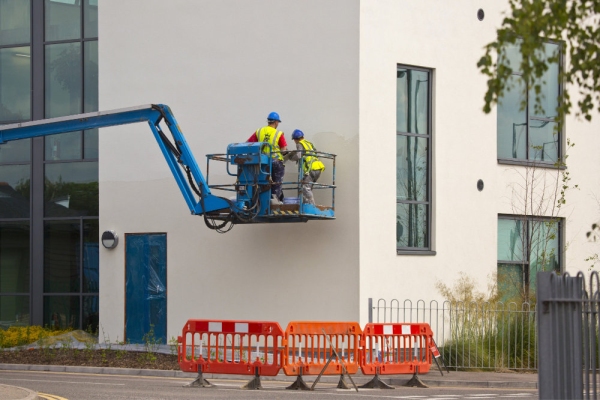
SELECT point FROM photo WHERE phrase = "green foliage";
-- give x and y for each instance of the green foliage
(486, 333)
(527, 25)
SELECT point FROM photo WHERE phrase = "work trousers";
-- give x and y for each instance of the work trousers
(277, 178)
(307, 184)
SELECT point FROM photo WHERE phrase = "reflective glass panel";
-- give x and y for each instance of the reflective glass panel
(511, 234)
(412, 101)
(543, 141)
(512, 122)
(63, 19)
(15, 84)
(62, 257)
(90, 75)
(14, 257)
(90, 18)
(14, 191)
(91, 257)
(61, 312)
(90, 144)
(91, 315)
(14, 311)
(549, 89)
(510, 281)
(15, 151)
(411, 225)
(15, 25)
(544, 245)
(511, 55)
(411, 168)
(71, 189)
(63, 146)
(63, 79)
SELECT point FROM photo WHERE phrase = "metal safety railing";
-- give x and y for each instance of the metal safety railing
(471, 335)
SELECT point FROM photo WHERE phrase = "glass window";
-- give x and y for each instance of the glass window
(15, 84)
(61, 312)
(63, 79)
(91, 256)
(90, 144)
(14, 311)
(90, 18)
(528, 131)
(90, 74)
(526, 245)
(91, 314)
(14, 257)
(15, 151)
(413, 159)
(63, 146)
(62, 19)
(71, 189)
(62, 257)
(15, 25)
(14, 191)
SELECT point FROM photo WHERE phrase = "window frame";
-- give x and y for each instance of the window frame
(428, 136)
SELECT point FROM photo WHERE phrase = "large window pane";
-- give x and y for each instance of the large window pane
(62, 257)
(14, 191)
(63, 146)
(411, 164)
(15, 151)
(543, 141)
(510, 281)
(411, 225)
(511, 234)
(63, 19)
(63, 79)
(91, 315)
(412, 101)
(544, 245)
(61, 312)
(91, 257)
(90, 74)
(14, 257)
(512, 122)
(15, 84)
(549, 87)
(14, 311)
(71, 189)
(90, 144)
(15, 25)
(90, 18)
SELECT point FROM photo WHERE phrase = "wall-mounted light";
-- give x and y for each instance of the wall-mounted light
(110, 239)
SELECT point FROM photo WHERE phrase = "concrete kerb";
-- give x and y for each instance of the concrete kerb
(8, 392)
(432, 379)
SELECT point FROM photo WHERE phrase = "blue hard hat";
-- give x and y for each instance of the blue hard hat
(274, 117)
(297, 134)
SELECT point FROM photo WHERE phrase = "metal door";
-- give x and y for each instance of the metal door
(146, 288)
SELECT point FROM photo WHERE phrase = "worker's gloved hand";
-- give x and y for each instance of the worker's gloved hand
(286, 156)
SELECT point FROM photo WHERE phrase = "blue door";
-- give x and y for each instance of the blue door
(146, 288)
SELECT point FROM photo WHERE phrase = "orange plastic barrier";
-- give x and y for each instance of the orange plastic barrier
(389, 349)
(308, 348)
(230, 347)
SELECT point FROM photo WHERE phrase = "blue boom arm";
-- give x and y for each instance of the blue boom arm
(177, 153)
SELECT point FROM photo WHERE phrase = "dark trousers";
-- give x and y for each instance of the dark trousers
(277, 178)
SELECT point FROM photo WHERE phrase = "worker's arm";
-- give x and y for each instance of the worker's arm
(252, 138)
(295, 155)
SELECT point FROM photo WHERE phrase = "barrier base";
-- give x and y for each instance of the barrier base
(416, 381)
(376, 383)
(299, 384)
(342, 383)
(199, 382)
(254, 383)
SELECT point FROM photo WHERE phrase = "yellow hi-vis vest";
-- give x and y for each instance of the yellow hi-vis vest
(311, 162)
(270, 135)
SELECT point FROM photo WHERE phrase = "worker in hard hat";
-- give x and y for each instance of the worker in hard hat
(270, 134)
(311, 165)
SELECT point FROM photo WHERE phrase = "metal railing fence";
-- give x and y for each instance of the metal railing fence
(484, 336)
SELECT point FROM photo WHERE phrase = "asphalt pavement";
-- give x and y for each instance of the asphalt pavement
(432, 379)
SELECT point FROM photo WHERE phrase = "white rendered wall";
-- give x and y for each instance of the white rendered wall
(448, 38)
(222, 66)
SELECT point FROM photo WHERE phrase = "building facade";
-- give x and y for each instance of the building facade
(391, 87)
